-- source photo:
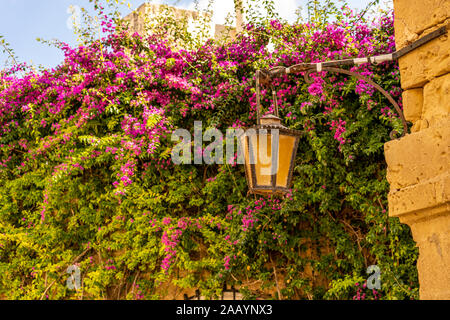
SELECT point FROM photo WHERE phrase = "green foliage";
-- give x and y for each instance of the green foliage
(194, 226)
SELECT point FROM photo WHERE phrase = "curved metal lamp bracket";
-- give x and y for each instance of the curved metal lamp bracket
(394, 133)
(265, 77)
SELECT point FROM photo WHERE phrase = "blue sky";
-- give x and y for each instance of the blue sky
(22, 21)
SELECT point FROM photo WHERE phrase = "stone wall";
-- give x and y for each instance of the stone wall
(419, 163)
(218, 31)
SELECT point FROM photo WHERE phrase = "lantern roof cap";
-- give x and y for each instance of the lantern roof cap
(270, 116)
(280, 127)
(270, 119)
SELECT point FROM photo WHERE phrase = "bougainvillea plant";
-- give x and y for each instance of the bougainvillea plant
(86, 177)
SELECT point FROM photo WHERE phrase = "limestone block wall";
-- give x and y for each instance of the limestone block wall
(218, 31)
(151, 10)
(419, 163)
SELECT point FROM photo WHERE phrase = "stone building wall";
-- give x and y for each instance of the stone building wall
(419, 163)
(136, 19)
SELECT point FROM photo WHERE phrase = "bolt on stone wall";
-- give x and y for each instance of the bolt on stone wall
(419, 163)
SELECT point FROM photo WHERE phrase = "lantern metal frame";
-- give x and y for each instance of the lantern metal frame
(273, 189)
(252, 175)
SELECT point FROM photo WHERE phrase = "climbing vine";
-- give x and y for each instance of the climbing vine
(86, 177)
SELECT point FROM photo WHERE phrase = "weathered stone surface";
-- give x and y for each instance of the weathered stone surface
(433, 237)
(419, 125)
(436, 100)
(413, 17)
(425, 63)
(430, 228)
(425, 208)
(419, 163)
(434, 193)
(413, 102)
(418, 156)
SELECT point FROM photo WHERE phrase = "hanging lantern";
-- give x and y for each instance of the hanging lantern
(269, 150)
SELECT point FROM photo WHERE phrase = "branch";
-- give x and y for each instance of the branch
(59, 275)
(10, 53)
(276, 278)
(134, 282)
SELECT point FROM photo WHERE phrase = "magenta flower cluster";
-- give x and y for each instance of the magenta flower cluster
(118, 98)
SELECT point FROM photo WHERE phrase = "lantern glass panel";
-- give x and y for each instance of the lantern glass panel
(261, 147)
(248, 169)
(268, 166)
(286, 148)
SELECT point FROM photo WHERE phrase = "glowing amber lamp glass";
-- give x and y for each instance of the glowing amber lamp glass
(269, 152)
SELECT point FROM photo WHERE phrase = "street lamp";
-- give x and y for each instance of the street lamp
(269, 150)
